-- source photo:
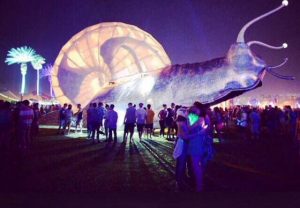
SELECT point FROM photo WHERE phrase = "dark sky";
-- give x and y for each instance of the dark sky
(189, 30)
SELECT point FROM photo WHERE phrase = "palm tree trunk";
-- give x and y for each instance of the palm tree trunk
(23, 72)
(51, 91)
(50, 83)
(38, 82)
(23, 84)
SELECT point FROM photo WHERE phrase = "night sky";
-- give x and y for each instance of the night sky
(189, 30)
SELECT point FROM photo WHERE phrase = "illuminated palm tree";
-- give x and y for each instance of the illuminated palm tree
(47, 71)
(21, 55)
(37, 64)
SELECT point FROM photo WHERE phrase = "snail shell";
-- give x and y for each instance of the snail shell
(103, 54)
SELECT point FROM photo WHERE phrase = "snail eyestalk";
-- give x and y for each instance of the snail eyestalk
(241, 35)
(281, 76)
(279, 65)
(270, 70)
(254, 42)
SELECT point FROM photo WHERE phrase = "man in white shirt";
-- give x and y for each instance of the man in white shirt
(141, 116)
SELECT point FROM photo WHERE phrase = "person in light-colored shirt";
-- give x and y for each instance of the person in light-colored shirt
(141, 116)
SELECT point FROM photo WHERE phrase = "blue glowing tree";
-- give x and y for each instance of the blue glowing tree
(47, 71)
(21, 55)
(37, 64)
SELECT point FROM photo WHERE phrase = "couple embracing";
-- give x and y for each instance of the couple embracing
(193, 148)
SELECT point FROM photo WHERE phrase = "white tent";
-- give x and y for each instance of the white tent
(7, 95)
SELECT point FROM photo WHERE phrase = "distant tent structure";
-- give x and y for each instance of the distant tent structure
(8, 95)
(35, 97)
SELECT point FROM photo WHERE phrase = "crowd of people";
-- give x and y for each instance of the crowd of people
(254, 122)
(102, 120)
(19, 124)
(192, 128)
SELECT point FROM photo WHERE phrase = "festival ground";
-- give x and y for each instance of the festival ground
(60, 164)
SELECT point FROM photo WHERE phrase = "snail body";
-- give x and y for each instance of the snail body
(143, 71)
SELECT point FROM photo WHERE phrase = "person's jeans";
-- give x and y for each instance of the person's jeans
(181, 163)
(113, 130)
(162, 127)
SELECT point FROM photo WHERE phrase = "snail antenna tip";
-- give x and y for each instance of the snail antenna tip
(285, 2)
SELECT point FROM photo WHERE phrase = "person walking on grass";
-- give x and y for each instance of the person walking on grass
(141, 116)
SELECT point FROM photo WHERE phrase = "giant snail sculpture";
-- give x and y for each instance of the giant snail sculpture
(131, 65)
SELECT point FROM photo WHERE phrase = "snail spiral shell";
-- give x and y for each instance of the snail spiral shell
(102, 54)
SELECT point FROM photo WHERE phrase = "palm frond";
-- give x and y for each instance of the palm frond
(47, 71)
(38, 62)
(20, 55)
